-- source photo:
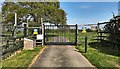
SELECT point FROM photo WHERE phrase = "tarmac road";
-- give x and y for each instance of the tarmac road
(61, 56)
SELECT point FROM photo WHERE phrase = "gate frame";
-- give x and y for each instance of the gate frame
(76, 35)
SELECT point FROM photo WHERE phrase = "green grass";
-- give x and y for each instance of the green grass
(99, 54)
(100, 59)
(22, 59)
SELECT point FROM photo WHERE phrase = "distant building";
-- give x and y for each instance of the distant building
(93, 27)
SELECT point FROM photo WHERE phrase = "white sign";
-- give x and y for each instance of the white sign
(40, 36)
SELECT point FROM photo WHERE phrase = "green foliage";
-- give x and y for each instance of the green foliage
(49, 11)
(113, 27)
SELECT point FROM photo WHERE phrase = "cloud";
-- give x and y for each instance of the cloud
(85, 6)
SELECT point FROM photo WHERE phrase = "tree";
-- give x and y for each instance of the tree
(49, 11)
(113, 27)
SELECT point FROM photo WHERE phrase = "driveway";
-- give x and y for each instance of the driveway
(61, 56)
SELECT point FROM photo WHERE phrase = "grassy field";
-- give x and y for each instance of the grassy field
(99, 54)
(22, 59)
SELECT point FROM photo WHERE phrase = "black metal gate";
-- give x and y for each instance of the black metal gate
(60, 34)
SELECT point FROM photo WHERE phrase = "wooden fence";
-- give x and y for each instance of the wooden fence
(110, 32)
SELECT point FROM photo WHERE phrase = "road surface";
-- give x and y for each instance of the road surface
(61, 56)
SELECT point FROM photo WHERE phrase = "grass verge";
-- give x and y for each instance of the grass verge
(99, 59)
(22, 59)
(100, 55)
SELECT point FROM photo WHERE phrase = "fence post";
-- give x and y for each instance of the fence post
(43, 33)
(86, 44)
(15, 25)
(98, 30)
(76, 37)
(25, 30)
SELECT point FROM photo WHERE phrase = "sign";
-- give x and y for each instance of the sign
(84, 31)
(35, 31)
(40, 36)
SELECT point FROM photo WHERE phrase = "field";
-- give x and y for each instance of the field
(100, 54)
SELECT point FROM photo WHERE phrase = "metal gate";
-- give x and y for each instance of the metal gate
(60, 34)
